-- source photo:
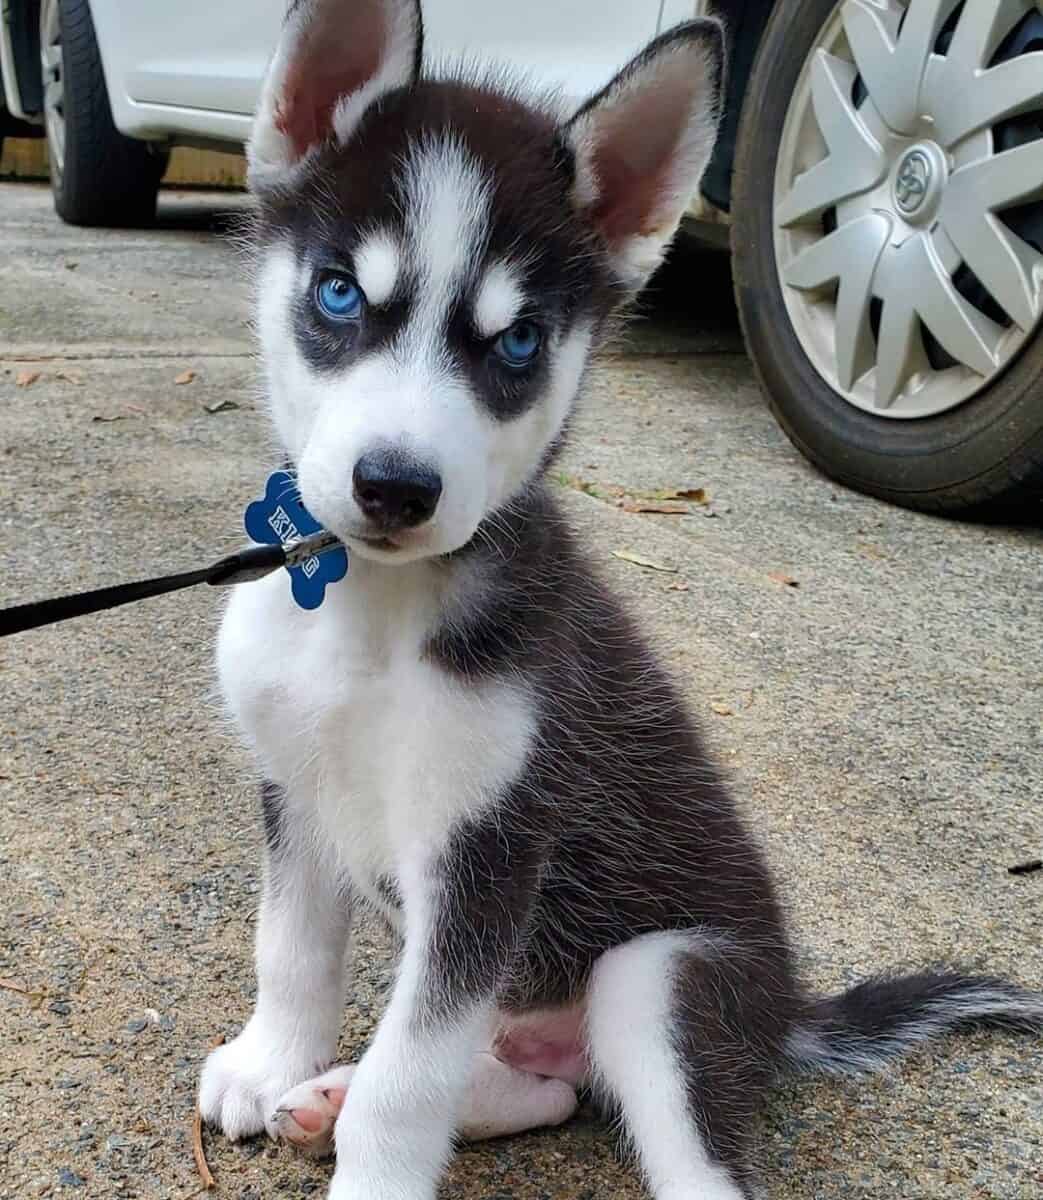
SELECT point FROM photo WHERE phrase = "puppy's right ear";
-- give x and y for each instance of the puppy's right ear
(335, 58)
(642, 143)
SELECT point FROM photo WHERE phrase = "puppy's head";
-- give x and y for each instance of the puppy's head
(438, 256)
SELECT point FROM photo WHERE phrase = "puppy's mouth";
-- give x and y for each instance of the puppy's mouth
(385, 543)
(377, 541)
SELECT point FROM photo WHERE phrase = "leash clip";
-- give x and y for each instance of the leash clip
(313, 557)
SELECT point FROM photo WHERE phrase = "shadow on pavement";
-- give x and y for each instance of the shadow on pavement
(202, 211)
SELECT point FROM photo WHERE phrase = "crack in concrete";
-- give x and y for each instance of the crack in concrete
(24, 354)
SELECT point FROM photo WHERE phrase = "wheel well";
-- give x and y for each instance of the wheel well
(745, 21)
(23, 24)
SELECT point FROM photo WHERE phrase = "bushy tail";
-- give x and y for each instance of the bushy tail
(862, 1029)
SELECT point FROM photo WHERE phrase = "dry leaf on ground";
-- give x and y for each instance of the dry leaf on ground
(679, 585)
(220, 406)
(185, 377)
(689, 494)
(26, 378)
(654, 506)
(640, 561)
(785, 580)
(600, 491)
(654, 500)
(692, 494)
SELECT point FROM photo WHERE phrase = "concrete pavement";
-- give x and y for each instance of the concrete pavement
(881, 720)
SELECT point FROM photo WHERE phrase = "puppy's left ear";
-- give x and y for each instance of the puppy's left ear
(641, 145)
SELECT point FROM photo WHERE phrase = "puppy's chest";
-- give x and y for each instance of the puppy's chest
(378, 747)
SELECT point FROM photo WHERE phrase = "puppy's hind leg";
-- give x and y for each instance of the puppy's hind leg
(681, 1041)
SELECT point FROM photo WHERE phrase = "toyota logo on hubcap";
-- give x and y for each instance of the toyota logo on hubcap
(911, 182)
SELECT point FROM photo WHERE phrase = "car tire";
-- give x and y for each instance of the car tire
(978, 456)
(98, 176)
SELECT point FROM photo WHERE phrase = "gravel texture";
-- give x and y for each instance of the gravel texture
(881, 721)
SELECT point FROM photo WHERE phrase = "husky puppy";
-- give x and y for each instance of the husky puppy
(469, 735)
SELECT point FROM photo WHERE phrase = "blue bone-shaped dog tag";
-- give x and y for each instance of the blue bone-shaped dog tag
(281, 517)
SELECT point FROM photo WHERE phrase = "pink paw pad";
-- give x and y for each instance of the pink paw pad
(306, 1114)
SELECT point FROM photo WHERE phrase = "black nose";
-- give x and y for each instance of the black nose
(395, 490)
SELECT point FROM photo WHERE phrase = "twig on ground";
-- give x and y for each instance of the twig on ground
(9, 985)
(198, 1152)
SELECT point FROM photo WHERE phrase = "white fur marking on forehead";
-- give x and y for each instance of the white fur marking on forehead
(499, 299)
(377, 266)
(447, 214)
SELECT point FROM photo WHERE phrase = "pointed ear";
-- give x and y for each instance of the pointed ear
(333, 60)
(641, 145)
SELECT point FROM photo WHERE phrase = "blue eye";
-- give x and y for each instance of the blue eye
(519, 345)
(339, 297)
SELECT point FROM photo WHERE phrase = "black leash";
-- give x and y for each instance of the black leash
(252, 563)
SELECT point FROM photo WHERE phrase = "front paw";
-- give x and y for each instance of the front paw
(378, 1165)
(355, 1186)
(242, 1082)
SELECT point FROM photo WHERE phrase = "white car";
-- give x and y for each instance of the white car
(883, 160)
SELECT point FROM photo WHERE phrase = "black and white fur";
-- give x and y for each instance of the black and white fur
(470, 735)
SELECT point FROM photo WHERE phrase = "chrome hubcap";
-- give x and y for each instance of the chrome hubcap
(53, 82)
(909, 199)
